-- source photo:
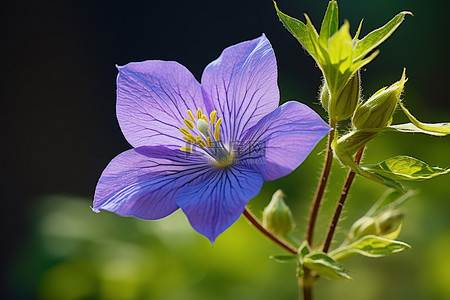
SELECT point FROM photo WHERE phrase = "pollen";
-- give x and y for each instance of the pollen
(187, 149)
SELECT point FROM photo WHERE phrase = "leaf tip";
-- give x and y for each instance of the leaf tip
(406, 12)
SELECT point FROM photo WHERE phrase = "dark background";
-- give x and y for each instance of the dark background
(58, 77)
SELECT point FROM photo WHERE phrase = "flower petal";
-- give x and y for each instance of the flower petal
(242, 86)
(143, 182)
(216, 203)
(152, 101)
(280, 141)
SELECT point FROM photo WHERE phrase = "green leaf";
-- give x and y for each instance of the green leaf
(378, 36)
(341, 48)
(411, 128)
(433, 129)
(330, 23)
(390, 200)
(304, 250)
(370, 246)
(358, 31)
(346, 146)
(299, 30)
(405, 168)
(285, 259)
(325, 266)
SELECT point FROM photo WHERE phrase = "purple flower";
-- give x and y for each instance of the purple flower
(204, 147)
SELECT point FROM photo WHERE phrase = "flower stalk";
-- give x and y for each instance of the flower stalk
(271, 235)
(321, 185)
(341, 202)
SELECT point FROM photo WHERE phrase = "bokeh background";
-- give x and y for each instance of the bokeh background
(58, 113)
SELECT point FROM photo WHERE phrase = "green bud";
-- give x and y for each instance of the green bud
(377, 112)
(353, 141)
(362, 227)
(324, 95)
(343, 106)
(389, 221)
(380, 225)
(277, 216)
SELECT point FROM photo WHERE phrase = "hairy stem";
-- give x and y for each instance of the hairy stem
(305, 284)
(321, 186)
(340, 204)
(252, 218)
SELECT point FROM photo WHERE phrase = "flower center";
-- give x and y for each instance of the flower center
(205, 133)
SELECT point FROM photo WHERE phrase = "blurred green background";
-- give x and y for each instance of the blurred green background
(58, 99)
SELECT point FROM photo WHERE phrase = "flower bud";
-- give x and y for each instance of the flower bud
(277, 216)
(345, 104)
(341, 106)
(353, 141)
(380, 225)
(324, 95)
(377, 112)
(389, 221)
(362, 227)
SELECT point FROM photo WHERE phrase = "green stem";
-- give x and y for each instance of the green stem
(340, 204)
(271, 235)
(305, 284)
(321, 186)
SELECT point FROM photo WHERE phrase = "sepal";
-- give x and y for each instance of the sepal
(439, 129)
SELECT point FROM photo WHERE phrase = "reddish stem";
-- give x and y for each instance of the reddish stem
(252, 218)
(320, 187)
(340, 204)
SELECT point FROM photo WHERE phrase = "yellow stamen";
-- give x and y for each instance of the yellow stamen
(191, 115)
(217, 131)
(187, 149)
(199, 113)
(189, 139)
(189, 123)
(208, 139)
(213, 116)
(205, 118)
(201, 142)
(184, 130)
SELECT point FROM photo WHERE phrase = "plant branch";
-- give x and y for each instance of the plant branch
(305, 286)
(340, 204)
(271, 235)
(321, 186)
